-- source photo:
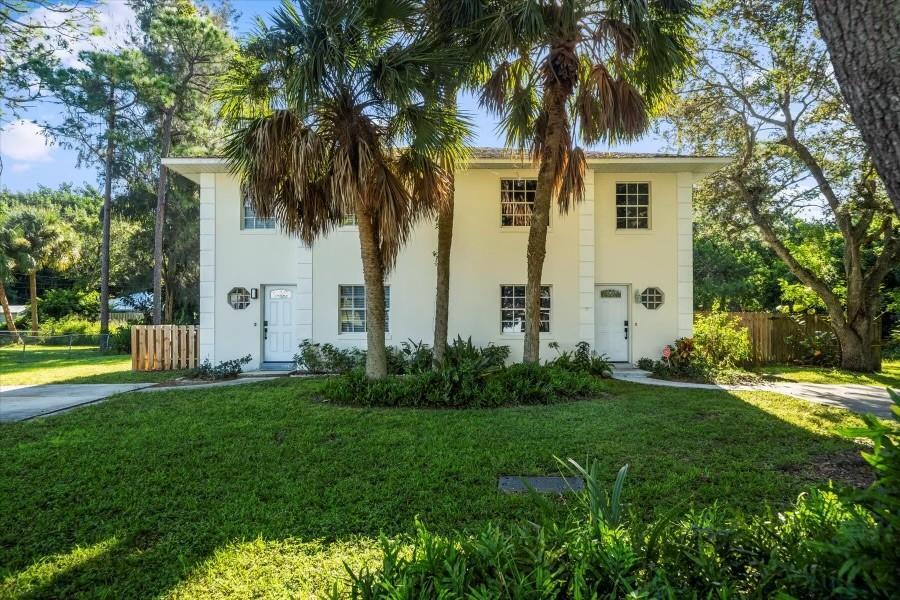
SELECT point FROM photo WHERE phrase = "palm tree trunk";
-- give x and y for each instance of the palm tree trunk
(32, 295)
(547, 186)
(161, 216)
(442, 295)
(7, 314)
(107, 206)
(373, 276)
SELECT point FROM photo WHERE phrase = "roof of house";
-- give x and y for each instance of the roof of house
(484, 157)
(507, 153)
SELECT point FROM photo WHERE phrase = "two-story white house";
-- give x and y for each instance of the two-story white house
(618, 272)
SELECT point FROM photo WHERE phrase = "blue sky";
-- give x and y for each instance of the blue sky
(29, 161)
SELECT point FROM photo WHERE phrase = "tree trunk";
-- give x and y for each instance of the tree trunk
(863, 39)
(7, 314)
(107, 207)
(442, 295)
(161, 216)
(547, 187)
(857, 351)
(33, 299)
(373, 276)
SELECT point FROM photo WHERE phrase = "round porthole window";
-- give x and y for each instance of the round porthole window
(239, 298)
(652, 298)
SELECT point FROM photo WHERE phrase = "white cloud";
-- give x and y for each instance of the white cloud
(114, 18)
(24, 141)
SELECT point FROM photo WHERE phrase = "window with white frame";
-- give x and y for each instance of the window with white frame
(349, 220)
(517, 202)
(512, 308)
(632, 206)
(249, 220)
(352, 308)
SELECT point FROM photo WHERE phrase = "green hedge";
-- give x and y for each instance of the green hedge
(466, 385)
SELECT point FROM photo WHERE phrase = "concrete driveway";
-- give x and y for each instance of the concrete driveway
(857, 398)
(21, 402)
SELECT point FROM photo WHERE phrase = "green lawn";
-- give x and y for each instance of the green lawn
(59, 364)
(263, 490)
(889, 375)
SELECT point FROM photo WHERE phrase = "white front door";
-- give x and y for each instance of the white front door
(278, 326)
(611, 321)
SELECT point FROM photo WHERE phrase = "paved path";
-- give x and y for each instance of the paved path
(854, 397)
(21, 402)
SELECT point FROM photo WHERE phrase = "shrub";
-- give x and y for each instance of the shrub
(582, 360)
(721, 339)
(472, 383)
(120, 339)
(409, 357)
(534, 384)
(226, 369)
(645, 363)
(460, 351)
(327, 358)
(62, 302)
(892, 345)
(820, 348)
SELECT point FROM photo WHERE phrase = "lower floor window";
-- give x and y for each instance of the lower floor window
(512, 308)
(352, 308)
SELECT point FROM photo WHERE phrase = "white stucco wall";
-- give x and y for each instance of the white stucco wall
(583, 249)
(642, 258)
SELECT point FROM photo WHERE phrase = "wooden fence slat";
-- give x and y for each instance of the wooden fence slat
(164, 347)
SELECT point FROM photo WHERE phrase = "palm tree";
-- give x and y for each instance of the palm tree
(13, 255)
(334, 112)
(51, 244)
(595, 69)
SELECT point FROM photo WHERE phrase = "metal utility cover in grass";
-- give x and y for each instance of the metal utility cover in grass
(516, 484)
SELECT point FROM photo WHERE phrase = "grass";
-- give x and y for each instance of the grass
(59, 364)
(889, 375)
(264, 491)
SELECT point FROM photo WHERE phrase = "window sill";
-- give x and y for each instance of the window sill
(359, 336)
(259, 231)
(633, 231)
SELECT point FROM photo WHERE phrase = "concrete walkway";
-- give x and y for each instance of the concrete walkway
(853, 397)
(21, 402)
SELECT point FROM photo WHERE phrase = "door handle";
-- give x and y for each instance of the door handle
(626, 330)
(265, 330)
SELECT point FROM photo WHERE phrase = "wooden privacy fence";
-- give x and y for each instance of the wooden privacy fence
(775, 338)
(163, 347)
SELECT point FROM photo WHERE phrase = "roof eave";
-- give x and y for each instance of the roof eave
(192, 168)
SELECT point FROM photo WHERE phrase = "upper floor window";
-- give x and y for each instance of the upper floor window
(349, 220)
(517, 202)
(632, 206)
(512, 308)
(249, 220)
(352, 308)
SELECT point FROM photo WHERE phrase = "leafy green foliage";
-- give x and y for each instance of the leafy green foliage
(60, 302)
(813, 550)
(721, 339)
(644, 363)
(876, 557)
(225, 369)
(582, 360)
(471, 377)
(317, 359)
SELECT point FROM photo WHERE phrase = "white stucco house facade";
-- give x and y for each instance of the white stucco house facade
(619, 267)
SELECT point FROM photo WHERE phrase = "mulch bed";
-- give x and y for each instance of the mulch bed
(846, 467)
